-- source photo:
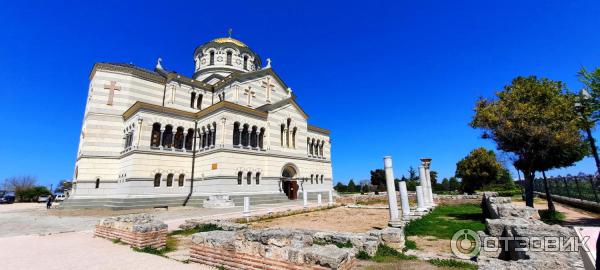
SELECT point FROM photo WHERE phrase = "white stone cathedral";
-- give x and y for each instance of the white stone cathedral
(159, 138)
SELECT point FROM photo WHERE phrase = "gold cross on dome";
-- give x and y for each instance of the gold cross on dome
(112, 87)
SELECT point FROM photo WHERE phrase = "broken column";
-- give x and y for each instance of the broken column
(305, 198)
(404, 198)
(395, 220)
(420, 200)
(330, 197)
(319, 202)
(424, 186)
(246, 206)
(427, 163)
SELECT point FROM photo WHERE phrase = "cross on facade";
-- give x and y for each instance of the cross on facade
(112, 87)
(248, 92)
(269, 87)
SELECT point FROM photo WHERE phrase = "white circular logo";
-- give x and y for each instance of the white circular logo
(465, 244)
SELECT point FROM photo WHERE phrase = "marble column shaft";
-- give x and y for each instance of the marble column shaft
(395, 219)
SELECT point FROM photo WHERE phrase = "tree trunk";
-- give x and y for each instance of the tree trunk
(548, 195)
(594, 149)
(529, 176)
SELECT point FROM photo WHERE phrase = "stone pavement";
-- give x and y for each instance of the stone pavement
(36, 240)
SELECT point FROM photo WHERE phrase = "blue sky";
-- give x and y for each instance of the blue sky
(395, 78)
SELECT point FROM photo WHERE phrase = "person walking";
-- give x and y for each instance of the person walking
(49, 202)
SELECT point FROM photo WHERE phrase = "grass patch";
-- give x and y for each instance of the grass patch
(453, 264)
(387, 254)
(445, 220)
(198, 228)
(362, 255)
(116, 241)
(410, 244)
(320, 242)
(551, 217)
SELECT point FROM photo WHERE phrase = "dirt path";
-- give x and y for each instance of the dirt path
(336, 219)
(573, 216)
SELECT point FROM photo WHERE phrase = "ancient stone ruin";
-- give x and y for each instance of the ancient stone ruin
(239, 247)
(139, 230)
(504, 219)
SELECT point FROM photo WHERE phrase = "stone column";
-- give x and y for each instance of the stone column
(420, 200)
(428, 175)
(424, 186)
(160, 140)
(305, 198)
(319, 202)
(246, 206)
(330, 193)
(184, 138)
(240, 137)
(395, 220)
(139, 133)
(404, 198)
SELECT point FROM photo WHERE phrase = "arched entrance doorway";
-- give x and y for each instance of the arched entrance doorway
(289, 183)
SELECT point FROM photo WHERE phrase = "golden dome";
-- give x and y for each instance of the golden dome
(230, 40)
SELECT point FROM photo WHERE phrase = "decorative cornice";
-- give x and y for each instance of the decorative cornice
(128, 69)
(319, 130)
(222, 105)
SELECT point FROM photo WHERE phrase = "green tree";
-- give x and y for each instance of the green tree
(478, 169)
(63, 185)
(378, 180)
(445, 184)
(588, 106)
(339, 187)
(352, 187)
(433, 179)
(534, 119)
(413, 179)
(453, 184)
(31, 194)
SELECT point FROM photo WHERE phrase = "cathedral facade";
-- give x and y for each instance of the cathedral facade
(154, 138)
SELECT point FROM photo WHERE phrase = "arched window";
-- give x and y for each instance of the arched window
(97, 182)
(181, 179)
(245, 62)
(189, 139)
(157, 179)
(240, 178)
(287, 133)
(193, 100)
(236, 133)
(155, 137)
(214, 134)
(254, 137)
(257, 178)
(312, 148)
(249, 178)
(261, 137)
(209, 135)
(199, 101)
(321, 148)
(282, 129)
(167, 137)
(308, 146)
(212, 58)
(229, 56)
(245, 139)
(76, 172)
(294, 138)
(170, 180)
(179, 138)
(321, 179)
(311, 179)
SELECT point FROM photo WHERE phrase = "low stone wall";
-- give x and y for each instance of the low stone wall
(361, 198)
(139, 231)
(503, 219)
(238, 247)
